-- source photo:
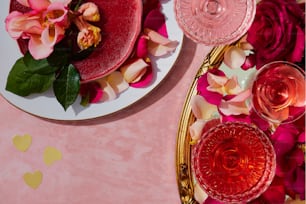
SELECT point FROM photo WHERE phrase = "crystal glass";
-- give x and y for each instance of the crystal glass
(234, 162)
(215, 22)
(278, 92)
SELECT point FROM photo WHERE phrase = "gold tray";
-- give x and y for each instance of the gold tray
(183, 150)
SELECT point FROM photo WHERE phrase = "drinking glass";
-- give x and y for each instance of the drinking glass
(278, 92)
(215, 22)
(234, 162)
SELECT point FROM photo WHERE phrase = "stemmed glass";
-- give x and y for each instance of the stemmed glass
(278, 92)
(215, 22)
(234, 162)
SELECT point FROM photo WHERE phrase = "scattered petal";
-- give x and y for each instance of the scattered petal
(196, 129)
(108, 92)
(201, 108)
(117, 82)
(133, 71)
(141, 47)
(91, 92)
(234, 57)
(158, 45)
(145, 79)
(237, 105)
(155, 20)
(211, 97)
(250, 61)
(199, 194)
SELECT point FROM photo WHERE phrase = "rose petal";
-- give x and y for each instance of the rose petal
(234, 57)
(92, 90)
(216, 81)
(301, 137)
(201, 108)
(141, 49)
(57, 8)
(211, 97)
(237, 105)
(158, 45)
(246, 46)
(199, 194)
(299, 184)
(196, 129)
(155, 20)
(18, 23)
(108, 92)
(158, 50)
(232, 86)
(249, 62)
(145, 79)
(276, 192)
(39, 50)
(134, 71)
(241, 118)
(117, 82)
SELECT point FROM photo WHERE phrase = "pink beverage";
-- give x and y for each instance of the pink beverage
(234, 162)
(278, 92)
(215, 22)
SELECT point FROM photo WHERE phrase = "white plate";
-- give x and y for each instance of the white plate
(45, 105)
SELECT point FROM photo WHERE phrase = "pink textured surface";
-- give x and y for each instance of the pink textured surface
(127, 157)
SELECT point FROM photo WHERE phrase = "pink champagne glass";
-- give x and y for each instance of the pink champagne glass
(278, 92)
(234, 162)
(215, 22)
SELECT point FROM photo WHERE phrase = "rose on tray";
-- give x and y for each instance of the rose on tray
(49, 26)
(277, 33)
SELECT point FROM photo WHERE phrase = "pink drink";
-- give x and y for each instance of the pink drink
(215, 22)
(279, 92)
(234, 162)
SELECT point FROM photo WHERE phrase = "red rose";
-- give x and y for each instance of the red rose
(277, 32)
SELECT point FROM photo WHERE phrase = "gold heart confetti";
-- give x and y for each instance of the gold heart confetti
(33, 179)
(22, 143)
(51, 155)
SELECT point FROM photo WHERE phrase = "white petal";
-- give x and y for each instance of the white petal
(199, 194)
(196, 129)
(117, 82)
(132, 72)
(234, 57)
(201, 108)
(108, 92)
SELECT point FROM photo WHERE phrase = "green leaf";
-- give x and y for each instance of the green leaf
(66, 87)
(24, 83)
(38, 66)
(60, 56)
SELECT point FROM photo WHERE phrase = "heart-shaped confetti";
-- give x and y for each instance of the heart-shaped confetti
(22, 143)
(33, 179)
(51, 155)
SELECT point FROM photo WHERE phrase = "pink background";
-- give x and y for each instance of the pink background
(126, 157)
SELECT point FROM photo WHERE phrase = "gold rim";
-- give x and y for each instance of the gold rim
(183, 165)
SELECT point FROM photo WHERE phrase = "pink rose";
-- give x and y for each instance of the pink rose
(277, 32)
